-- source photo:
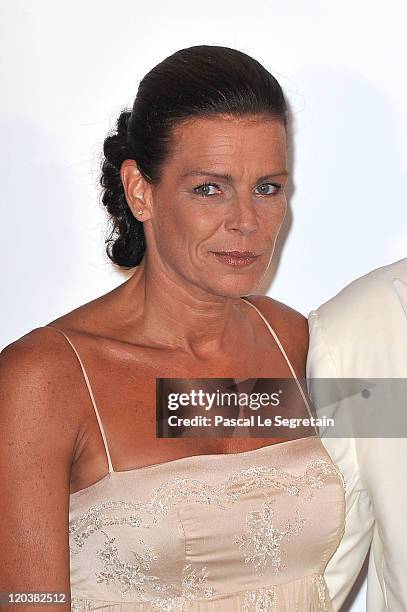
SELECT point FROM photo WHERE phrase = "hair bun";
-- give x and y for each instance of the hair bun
(126, 242)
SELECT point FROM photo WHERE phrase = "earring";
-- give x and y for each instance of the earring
(139, 212)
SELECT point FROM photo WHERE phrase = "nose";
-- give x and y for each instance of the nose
(243, 217)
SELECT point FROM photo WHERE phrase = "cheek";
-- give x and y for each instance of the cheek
(274, 217)
(178, 232)
(165, 228)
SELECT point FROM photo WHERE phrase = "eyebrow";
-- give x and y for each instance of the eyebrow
(228, 177)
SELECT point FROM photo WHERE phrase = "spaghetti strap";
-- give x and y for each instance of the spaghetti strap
(273, 333)
(102, 431)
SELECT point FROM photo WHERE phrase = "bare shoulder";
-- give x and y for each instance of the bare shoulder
(283, 318)
(290, 326)
(39, 366)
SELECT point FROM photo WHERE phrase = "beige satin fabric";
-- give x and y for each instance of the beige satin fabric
(244, 531)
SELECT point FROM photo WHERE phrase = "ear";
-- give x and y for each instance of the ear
(137, 190)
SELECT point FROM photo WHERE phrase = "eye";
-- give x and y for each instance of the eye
(204, 189)
(269, 188)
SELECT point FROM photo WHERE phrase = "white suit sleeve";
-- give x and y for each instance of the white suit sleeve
(344, 566)
(384, 470)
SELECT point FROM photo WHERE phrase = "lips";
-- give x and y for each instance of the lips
(236, 253)
(236, 258)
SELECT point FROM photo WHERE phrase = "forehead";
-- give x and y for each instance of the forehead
(248, 140)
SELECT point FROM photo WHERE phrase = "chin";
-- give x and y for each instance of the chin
(234, 288)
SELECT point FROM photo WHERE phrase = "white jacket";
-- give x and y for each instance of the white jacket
(362, 333)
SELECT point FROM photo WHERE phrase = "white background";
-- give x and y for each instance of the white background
(68, 68)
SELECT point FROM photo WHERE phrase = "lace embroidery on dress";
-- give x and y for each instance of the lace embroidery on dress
(129, 575)
(263, 545)
(176, 490)
(260, 600)
(80, 605)
(319, 584)
(266, 599)
(194, 586)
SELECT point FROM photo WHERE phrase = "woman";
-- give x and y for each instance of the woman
(193, 179)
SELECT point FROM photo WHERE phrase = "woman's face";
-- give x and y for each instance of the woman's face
(222, 190)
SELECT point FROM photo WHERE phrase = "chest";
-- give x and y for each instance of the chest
(124, 385)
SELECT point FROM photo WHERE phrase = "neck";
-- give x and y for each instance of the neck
(176, 316)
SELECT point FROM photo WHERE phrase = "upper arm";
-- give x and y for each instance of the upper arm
(38, 432)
